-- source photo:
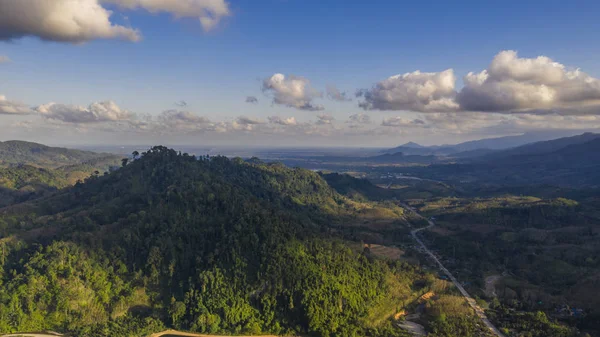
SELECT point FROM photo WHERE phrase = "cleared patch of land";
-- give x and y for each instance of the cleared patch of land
(392, 253)
(490, 285)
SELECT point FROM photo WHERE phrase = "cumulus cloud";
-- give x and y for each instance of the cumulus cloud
(540, 85)
(176, 121)
(72, 21)
(510, 84)
(416, 91)
(208, 12)
(78, 21)
(13, 108)
(292, 91)
(249, 120)
(282, 121)
(246, 123)
(335, 94)
(400, 121)
(4, 59)
(359, 119)
(324, 119)
(251, 100)
(107, 111)
(181, 117)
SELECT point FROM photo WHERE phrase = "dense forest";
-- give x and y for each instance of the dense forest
(200, 244)
(230, 246)
(26, 153)
(29, 170)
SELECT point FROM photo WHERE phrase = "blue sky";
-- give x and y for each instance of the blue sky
(349, 44)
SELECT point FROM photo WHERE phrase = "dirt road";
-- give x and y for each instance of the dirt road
(462, 290)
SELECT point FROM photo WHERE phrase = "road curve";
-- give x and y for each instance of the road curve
(462, 290)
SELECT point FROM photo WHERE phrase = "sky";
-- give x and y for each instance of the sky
(295, 72)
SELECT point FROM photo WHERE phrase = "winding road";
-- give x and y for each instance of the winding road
(478, 310)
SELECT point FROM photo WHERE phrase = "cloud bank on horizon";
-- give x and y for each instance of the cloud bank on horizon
(513, 95)
(8, 107)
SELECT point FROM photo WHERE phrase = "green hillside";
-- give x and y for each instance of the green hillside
(210, 245)
(33, 154)
(18, 184)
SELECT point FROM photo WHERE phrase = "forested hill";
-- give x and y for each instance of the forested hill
(30, 170)
(26, 153)
(210, 245)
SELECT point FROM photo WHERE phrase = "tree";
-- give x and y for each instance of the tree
(124, 162)
(176, 310)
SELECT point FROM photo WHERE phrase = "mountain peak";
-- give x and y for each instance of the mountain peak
(413, 145)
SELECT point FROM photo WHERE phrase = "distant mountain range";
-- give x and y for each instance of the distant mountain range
(478, 147)
(570, 161)
(540, 148)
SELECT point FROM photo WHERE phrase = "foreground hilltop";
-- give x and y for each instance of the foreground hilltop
(210, 245)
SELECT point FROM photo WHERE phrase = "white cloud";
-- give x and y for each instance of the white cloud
(4, 59)
(400, 121)
(208, 12)
(107, 111)
(292, 91)
(324, 119)
(282, 121)
(359, 119)
(13, 108)
(178, 122)
(416, 91)
(537, 85)
(335, 94)
(249, 120)
(78, 21)
(510, 85)
(246, 123)
(73, 21)
(175, 117)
